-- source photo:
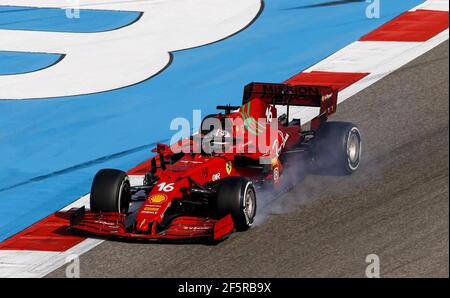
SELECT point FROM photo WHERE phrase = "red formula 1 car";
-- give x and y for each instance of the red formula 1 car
(206, 186)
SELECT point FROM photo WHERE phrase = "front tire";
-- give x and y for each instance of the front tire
(337, 146)
(237, 196)
(110, 191)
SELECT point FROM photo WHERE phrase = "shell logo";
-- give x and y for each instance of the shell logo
(158, 198)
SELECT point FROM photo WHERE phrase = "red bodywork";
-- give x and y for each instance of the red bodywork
(187, 181)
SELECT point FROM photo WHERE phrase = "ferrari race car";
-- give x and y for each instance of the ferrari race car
(206, 186)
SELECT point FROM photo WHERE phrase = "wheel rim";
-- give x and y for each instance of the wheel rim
(250, 205)
(354, 148)
(124, 193)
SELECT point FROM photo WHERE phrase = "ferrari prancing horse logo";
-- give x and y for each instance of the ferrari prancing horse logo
(229, 167)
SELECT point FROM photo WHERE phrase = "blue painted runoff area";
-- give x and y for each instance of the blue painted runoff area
(62, 20)
(22, 62)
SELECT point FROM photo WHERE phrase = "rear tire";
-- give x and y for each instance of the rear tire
(110, 191)
(337, 147)
(237, 196)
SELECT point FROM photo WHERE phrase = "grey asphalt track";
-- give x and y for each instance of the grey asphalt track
(395, 206)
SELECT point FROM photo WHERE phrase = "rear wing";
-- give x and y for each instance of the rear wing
(323, 97)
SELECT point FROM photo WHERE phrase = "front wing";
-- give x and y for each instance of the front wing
(182, 227)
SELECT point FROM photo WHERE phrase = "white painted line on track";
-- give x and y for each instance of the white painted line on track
(441, 5)
(104, 61)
